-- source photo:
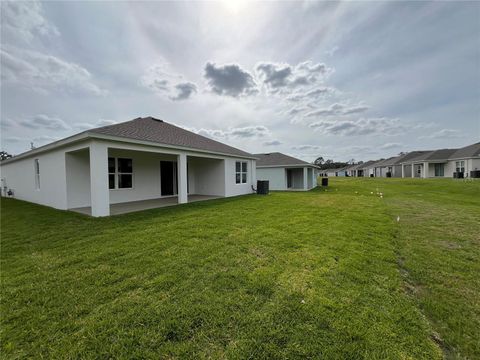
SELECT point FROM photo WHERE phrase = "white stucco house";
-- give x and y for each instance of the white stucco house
(285, 172)
(138, 164)
(443, 163)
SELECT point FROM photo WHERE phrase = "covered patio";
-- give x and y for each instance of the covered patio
(132, 178)
(132, 206)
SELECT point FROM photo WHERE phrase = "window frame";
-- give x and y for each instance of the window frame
(36, 167)
(116, 174)
(241, 172)
(460, 166)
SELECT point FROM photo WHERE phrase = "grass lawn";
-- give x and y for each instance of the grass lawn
(324, 274)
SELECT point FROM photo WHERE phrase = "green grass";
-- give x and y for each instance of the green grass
(324, 274)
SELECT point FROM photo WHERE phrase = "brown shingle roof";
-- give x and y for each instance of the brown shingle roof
(158, 131)
(278, 159)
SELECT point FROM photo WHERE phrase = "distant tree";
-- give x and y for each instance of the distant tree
(319, 161)
(351, 161)
(4, 155)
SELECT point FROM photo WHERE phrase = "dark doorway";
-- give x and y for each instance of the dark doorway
(168, 178)
(289, 178)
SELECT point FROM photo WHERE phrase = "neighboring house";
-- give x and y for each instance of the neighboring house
(363, 169)
(389, 167)
(329, 172)
(285, 172)
(443, 162)
(115, 167)
(369, 167)
(341, 172)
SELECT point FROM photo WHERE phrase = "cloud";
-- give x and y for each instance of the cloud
(45, 122)
(306, 147)
(257, 131)
(332, 51)
(6, 123)
(383, 126)
(23, 21)
(44, 139)
(272, 143)
(14, 139)
(312, 94)
(389, 146)
(277, 77)
(184, 91)
(163, 81)
(337, 109)
(443, 134)
(99, 123)
(229, 80)
(45, 73)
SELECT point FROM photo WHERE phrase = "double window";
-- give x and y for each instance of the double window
(37, 174)
(241, 172)
(460, 166)
(120, 173)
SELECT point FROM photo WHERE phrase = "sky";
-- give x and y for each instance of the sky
(341, 80)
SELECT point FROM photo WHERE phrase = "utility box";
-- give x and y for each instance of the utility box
(324, 181)
(262, 187)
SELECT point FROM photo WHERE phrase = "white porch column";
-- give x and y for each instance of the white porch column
(305, 178)
(403, 171)
(425, 170)
(413, 170)
(99, 192)
(182, 178)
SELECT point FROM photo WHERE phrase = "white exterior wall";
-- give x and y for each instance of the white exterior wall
(276, 176)
(206, 176)
(233, 189)
(78, 178)
(19, 176)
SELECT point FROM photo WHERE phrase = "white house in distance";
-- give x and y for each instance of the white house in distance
(138, 164)
(285, 172)
(443, 163)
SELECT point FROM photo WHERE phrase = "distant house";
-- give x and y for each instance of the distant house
(442, 163)
(286, 172)
(341, 172)
(137, 164)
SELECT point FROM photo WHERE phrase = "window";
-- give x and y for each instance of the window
(460, 166)
(120, 173)
(241, 172)
(37, 174)
(439, 169)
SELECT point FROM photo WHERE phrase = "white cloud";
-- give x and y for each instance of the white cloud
(6, 123)
(23, 21)
(45, 122)
(306, 147)
(443, 134)
(99, 123)
(165, 82)
(389, 146)
(45, 73)
(257, 131)
(272, 143)
(363, 126)
(337, 109)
